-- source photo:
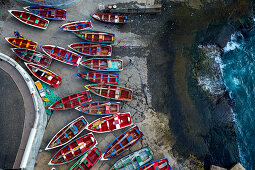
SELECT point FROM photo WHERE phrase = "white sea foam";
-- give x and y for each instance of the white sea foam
(213, 83)
(232, 44)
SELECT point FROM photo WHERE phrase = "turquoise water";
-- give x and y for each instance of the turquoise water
(239, 76)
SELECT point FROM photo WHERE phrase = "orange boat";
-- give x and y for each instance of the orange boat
(22, 43)
(95, 36)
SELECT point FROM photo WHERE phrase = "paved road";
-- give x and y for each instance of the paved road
(18, 113)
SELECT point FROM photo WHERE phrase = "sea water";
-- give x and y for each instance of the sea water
(238, 72)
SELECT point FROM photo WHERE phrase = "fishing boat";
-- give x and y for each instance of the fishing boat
(74, 150)
(71, 101)
(99, 77)
(92, 49)
(44, 74)
(22, 43)
(110, 123)
(110, 18)
(47, 12)
(103, 64)
(110, 91)
(100, 108)
(95, 36)
(77, 26)
(162, 164)
(122, 143)
(133, 160)
(62, 55)
(30, 19)
(67, 133)
(88, 161)
(32, 56)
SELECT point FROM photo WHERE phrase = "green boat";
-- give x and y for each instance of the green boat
(133, 160)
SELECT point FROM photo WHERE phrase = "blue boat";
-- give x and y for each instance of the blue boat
(122, 143)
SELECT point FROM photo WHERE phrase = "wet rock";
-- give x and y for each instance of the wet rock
(207, 70)
(214, 167)
(238, 166)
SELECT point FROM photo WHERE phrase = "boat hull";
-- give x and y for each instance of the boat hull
(30, 19)
(88, 161)
(22, 43)
(44, 74)
(67, 133)
(103, 64)
(71, 101)
(109, 18)
(110, 123)
(162, 164)
(95, 36)
(74, 150)
(99, 77)
(62, 55)
(77, 26)
(133, 160)
(47, 12)
(92, 49)
(100, 108)
(110, 91)
(122, 143)
(32, 56)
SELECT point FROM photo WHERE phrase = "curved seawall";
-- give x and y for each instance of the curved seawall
(36, 133)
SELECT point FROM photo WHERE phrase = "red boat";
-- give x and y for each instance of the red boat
(47, 12)
(74, 150)
(44, 74)
(30, 19)
(110, 18)
(71, 101)
(88, 160)
(110, 91)
(103, 64)
(62, 55)
(100, 108)
(110, 123)
(162, 164)
(32, 56)
(99, 77)
(68, 133)
(77, 26)
(95, 36)
(22, 43)
(92, 49)
(122, 143)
